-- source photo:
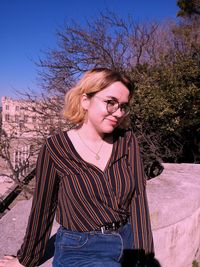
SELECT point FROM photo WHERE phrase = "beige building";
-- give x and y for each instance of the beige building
(25, 118)
(25, 123)
(16, 116)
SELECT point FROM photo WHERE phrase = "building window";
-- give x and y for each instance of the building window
(17, 118)
(24, 108)
(25, 118)
(33, 119)
(7, 107)
(17, 108)
(44, 120)
(7, 117)
(21, 126)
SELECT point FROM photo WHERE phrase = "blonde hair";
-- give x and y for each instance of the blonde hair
(92, 82)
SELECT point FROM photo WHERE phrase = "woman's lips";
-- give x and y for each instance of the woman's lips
(113, 122)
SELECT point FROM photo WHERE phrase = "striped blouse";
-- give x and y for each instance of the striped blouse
(83, 197)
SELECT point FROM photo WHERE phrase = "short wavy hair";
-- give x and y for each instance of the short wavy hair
(92, 82)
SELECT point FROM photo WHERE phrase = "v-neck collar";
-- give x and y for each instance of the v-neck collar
(79, 158)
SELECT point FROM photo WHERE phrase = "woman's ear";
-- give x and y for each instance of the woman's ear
(85, 101)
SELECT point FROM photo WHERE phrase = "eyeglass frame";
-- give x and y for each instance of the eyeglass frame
(119, 106)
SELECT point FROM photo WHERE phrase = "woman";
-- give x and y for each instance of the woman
(92, 177)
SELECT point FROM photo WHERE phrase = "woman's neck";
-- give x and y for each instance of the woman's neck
(90, 133)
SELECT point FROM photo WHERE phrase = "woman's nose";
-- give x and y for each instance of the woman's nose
(118, 113)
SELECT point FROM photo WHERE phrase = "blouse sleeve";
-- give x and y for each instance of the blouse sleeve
(42, 212)
(140, 219)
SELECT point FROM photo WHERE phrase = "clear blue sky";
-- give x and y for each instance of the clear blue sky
(28, 27)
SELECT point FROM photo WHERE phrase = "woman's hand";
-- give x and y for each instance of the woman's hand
(10, 261)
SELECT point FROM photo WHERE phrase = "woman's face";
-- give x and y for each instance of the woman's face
(98, 116)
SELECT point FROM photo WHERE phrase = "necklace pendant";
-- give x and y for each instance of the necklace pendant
(97, 157)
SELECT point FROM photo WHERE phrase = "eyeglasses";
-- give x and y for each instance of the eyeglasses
(112, 105)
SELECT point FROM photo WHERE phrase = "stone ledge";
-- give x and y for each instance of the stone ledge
(174, 202)
(176, 191)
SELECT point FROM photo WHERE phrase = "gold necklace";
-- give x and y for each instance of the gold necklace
(97, 157)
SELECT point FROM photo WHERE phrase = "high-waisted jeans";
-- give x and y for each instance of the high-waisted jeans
(91, 249)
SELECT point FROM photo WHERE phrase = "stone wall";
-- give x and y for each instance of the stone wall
(174, 202)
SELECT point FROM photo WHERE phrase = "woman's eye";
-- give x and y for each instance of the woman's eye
(123, 107)
(111, 102)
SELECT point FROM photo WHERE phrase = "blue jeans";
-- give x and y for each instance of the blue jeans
(91, 249)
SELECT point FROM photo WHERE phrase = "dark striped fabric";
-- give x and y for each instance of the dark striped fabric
(83, 197)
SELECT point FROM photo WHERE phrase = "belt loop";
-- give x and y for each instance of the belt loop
(103, 228)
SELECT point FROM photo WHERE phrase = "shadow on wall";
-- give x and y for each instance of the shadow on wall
(137, 258)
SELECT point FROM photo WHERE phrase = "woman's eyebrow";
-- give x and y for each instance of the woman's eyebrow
(114, 98)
